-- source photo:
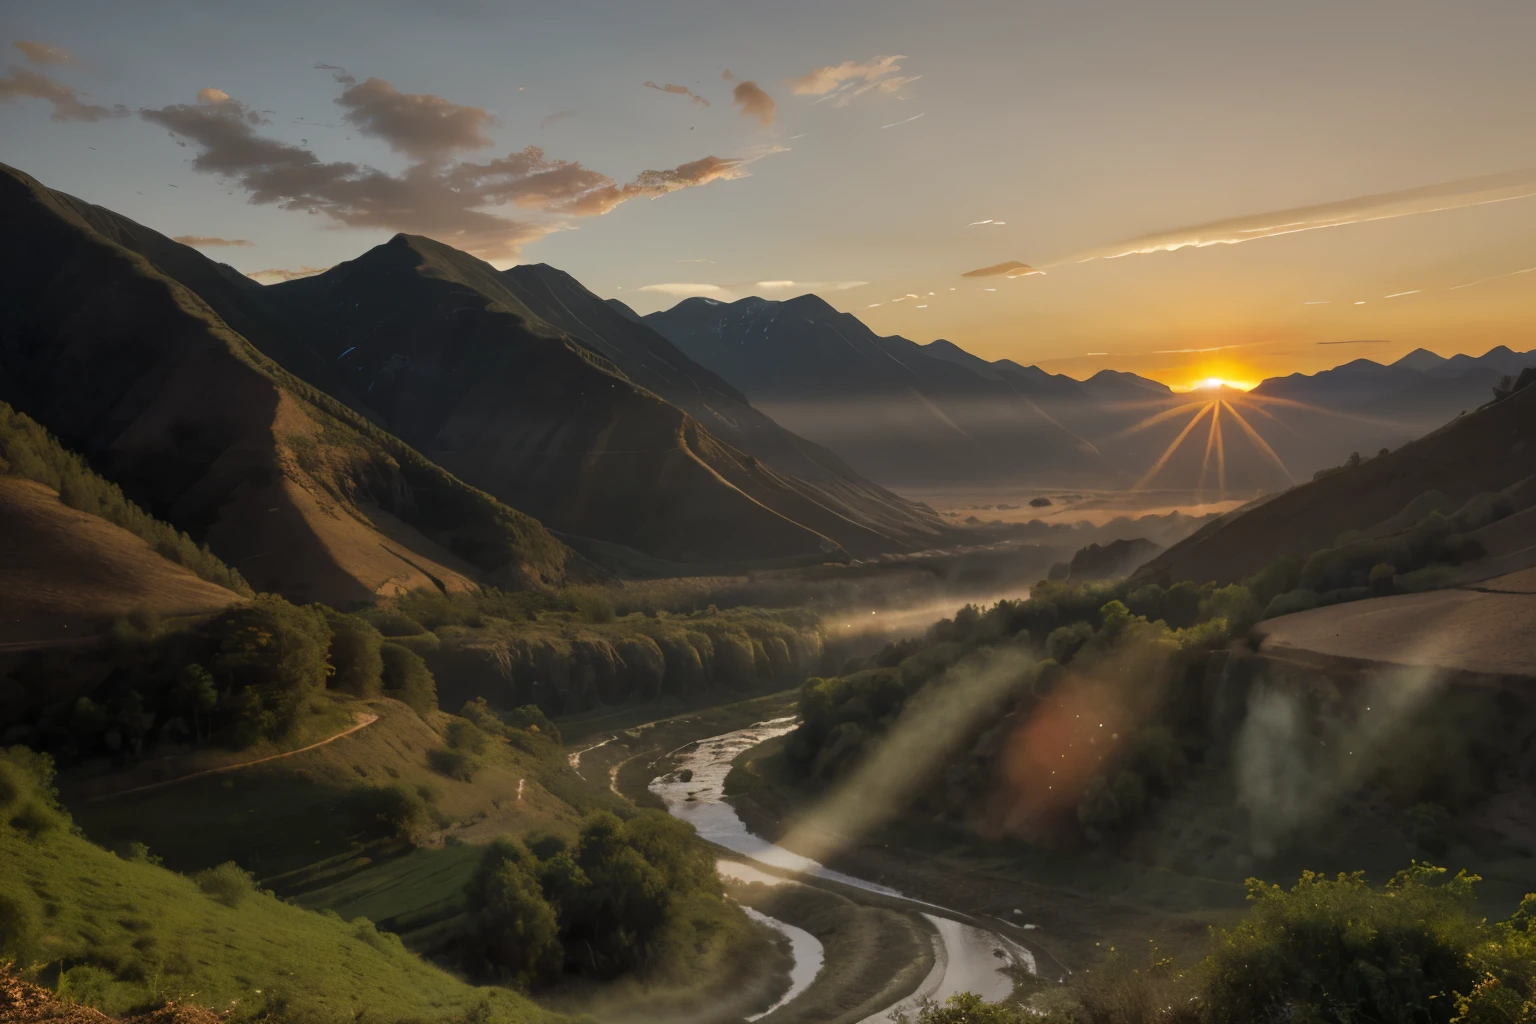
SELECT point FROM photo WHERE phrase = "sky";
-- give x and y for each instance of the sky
(1202, 189)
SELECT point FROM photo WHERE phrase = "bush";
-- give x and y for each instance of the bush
(517, 930)
(228, 883)
(456, 764)
(408, 680)
(21, 922)
(28, 801)
(357, 665)
(393, 810)
(1381, 577)
(1299, 600)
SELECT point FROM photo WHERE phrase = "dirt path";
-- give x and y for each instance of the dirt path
(364, 719)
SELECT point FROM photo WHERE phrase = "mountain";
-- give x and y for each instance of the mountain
(204, 429)
(444, 351)
(832, 497)
(898, 413)
(1485, 451)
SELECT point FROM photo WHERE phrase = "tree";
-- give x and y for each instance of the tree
(518, 931)
(408, 680)
(197, 697)
(275, 651)
(354, 655)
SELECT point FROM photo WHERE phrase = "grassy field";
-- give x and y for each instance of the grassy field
(131, 934)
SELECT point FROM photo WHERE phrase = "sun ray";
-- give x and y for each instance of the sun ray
(1210, 445)
(1291, 403)
(1156, 419)
(1168, 452)
(1256, 407)
(1221, 464)
(1259, 442)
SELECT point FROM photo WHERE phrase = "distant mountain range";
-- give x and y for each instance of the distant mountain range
(934, 416)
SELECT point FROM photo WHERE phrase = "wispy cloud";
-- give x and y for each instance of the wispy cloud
(1361, 341)
(420, 125)
(1495, 277)
(556, 118)
(1009, 268)
(840, 83)
(1450, 195)
(809, 286)
(209, 241)
(68, 103)
(678, 90)
(682, 289)
(893, 124)
(43, 53)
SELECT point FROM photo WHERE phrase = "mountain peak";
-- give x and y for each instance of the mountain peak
(1420, 359)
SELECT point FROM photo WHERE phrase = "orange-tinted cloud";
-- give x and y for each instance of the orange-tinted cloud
(207, 241)
(842, 82)
(1010, 268)
(754, 102)
(1450, 195)
(42, 53)
(24, 83)
(419, 125)
(678, 90)
(435, 196)
(211, 95)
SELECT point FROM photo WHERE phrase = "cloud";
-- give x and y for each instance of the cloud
(904, 120)
(42, 53)
(754, 102)
(67, 104)
(1362, 341)
(210, 240)
(678, 90)
(340, 74)
(447, 200)
(810, 286)
(840, 83)
(1450, 195)
(1011, 269)
(212, 96)
(420, 125)
(279, 274)
(556, 118)
(682, 289)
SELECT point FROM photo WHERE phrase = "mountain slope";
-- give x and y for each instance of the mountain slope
(835, 497)
(444, 353)
(1484, 451)
(67, 574)
(291, 488)
(894, 411)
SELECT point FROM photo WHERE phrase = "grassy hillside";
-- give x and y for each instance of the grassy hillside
(126, 934)
(203, 430)
(29, 451)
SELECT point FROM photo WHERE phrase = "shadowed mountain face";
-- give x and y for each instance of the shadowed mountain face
(290, 487)
(833, 498)
(572, 418)
(893, 410)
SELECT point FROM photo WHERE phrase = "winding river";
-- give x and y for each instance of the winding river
(966, 958)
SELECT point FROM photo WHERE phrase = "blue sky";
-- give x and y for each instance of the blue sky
(1080, 125)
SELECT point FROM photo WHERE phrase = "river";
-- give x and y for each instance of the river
(966, 958)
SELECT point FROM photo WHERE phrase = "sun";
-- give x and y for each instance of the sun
(1217, 383)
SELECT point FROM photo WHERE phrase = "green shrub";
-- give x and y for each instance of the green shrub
(408, 680)
(456, 764)
(357, 666)
(394, 810)
(21, 922)
(1298, 600)
(228, 883)
(1380, 580)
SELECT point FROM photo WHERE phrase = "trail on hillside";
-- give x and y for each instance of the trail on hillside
(363, 718)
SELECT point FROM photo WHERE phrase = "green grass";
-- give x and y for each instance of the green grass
(131, 935)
